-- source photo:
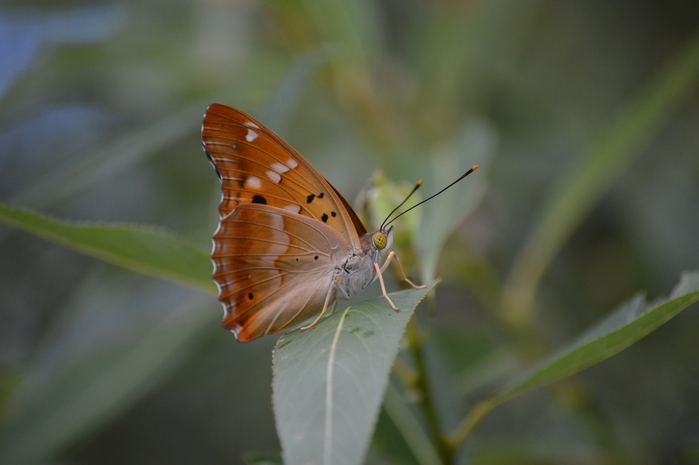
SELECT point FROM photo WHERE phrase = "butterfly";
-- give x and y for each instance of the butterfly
(288, 244)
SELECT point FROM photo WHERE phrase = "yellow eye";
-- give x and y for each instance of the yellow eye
(380, 240)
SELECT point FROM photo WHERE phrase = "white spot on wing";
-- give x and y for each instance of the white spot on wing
(292, 163)
(250, 124)
(251, 135)
(279, 168)
(253, 183)
(293, 208)
(274, 176)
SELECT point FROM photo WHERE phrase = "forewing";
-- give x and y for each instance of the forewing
(274, 268)
(257, 166)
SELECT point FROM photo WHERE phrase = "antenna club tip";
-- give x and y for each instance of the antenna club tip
(419, 183)
(473, 168)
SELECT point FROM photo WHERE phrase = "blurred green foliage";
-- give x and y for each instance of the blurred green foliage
(586, 110)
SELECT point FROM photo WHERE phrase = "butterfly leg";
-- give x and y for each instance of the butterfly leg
(325, 307)
(383, 287)
(332, 312)
(390, 257)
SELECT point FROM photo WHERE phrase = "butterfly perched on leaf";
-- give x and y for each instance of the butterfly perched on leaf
(288, 245)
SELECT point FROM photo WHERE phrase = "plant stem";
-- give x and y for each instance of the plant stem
(454, 441)
(415, 344)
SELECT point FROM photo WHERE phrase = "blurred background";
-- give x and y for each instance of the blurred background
(583, 115)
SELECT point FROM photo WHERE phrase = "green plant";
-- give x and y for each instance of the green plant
(557, 114)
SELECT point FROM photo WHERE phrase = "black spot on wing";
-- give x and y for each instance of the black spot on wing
(250, 296)
(320, 196)
(324, 217)
(333, 214)
(259, 199)
(310, 198)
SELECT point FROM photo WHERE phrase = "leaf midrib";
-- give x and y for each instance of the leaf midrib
(327, 443)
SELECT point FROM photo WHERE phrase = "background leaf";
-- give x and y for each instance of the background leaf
(607, 158)
(146, 250)
(416, 438)
(93, 389)
(109, 160)
(329, 380)
(473, 146)
(624, 326)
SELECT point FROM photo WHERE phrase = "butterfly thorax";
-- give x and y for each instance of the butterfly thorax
(358, 271)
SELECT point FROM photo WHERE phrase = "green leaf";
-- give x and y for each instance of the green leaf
(626, 325)
(146, 250)
(329, 380)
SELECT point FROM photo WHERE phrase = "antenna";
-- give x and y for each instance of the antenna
(417, 186)
(384, 224)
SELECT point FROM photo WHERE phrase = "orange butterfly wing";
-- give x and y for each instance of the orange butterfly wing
(257, 166)
(273, 267)
(283, 226)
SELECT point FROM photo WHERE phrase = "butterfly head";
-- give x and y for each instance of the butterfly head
(383, 239)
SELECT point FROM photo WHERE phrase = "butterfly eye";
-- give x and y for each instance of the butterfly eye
(380, 240)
